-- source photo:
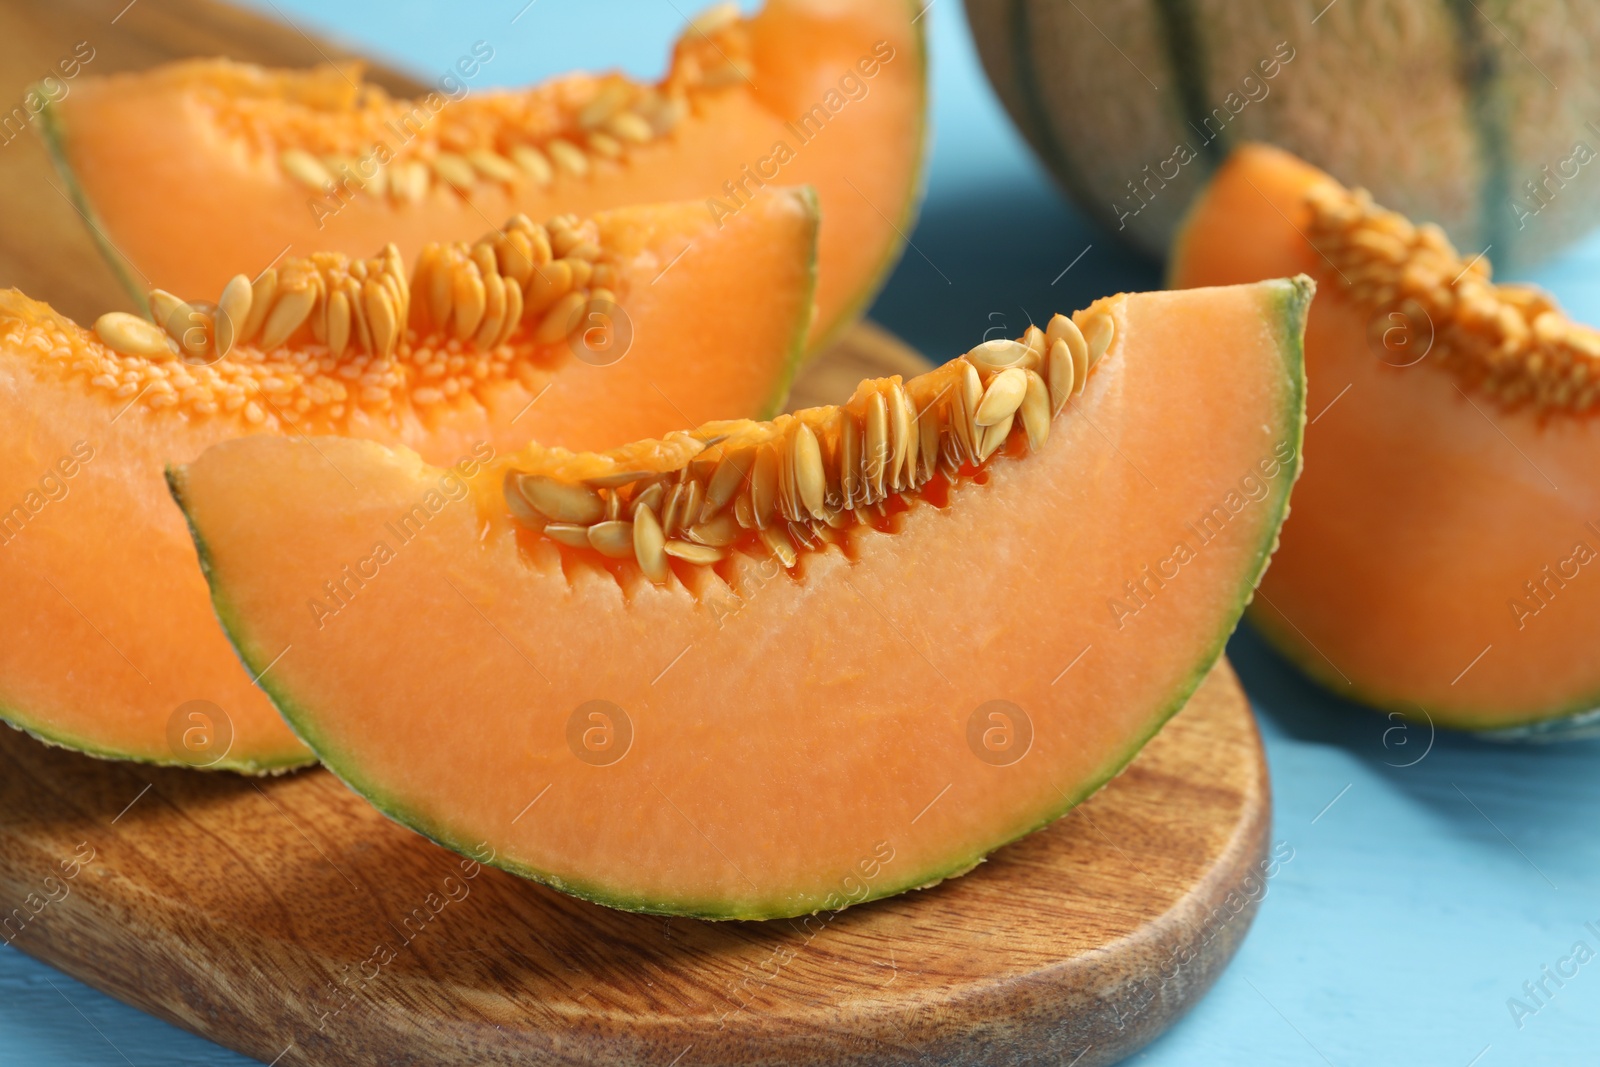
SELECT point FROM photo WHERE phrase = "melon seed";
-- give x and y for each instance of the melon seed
(999, 355)
(1003, 397)
(561, 501)
(568, 157)
(718, 532)
(729, 478)
(875, 446)
(493, 165)
(288, 312)
(233, 311)
(776, 538)
(570, 534)
(690, 552)
(1098, 335)
(1036, 412)
(305, 168)
(132, 335)
(533, 162)
(993, 436)
(764, 485)
(612, 538)
(454, 170)
(809, 479)
(649, 546)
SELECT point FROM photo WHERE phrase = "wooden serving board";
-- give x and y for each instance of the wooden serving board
(287, 919)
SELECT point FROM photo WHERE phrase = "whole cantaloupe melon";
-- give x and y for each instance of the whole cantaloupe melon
(1477, 116)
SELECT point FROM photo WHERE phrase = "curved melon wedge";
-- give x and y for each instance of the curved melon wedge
(196, 167)
(750, 738)
(1437, 561)
(109, 633)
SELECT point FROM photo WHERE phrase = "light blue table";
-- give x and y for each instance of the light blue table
(1419, 898)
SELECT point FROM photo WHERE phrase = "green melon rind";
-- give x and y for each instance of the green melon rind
(1574, 721)
(1037, 124)
(54, 738)
(795, 356)
(1294, 299)
(911, 205)
(1489, 120)
(53, 132)
(66, 742)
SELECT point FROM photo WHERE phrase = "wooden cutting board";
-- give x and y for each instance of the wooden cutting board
(288, 920)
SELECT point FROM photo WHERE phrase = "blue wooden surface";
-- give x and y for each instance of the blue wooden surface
(1419, 899)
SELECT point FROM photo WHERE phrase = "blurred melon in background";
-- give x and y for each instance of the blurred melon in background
(1481, 116)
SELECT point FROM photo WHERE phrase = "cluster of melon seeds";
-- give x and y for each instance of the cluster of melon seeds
(312, 341)
(1511, 341)
(800, 481)
(333, 135)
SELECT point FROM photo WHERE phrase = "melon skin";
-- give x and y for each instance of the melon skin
(131, 146)
(812, 778)
(112, 630)
(1393, 584)
(1446, 111)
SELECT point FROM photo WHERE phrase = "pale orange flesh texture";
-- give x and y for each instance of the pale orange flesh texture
(1425, 507)
(789, 727)
(190, 203)
(110, 628)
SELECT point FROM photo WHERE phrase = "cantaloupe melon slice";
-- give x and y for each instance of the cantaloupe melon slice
(194, 168)
(109, 631)
(762, 669)
(1437, 562)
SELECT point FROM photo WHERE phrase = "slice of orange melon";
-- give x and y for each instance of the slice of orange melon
(194, 168)
(1437, 561)
(762, 669)
(110, 632)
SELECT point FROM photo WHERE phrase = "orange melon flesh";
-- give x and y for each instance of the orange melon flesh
(1426, 507)
(111, 630)
(179, 166)
(800, 739)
